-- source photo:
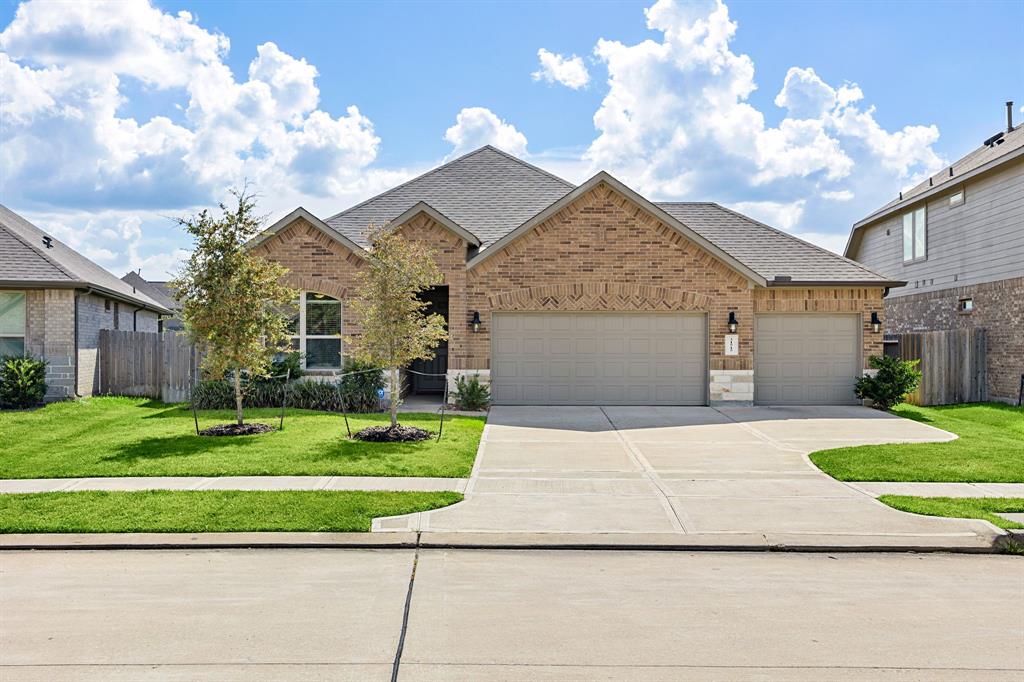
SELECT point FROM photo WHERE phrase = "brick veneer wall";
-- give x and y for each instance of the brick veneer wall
(93, 316)
(50, 334)
(826, 300)
(603, 252)
(998, 307)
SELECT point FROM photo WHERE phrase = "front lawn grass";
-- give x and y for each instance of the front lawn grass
(960, 507)
(990, 449)
(139, 437)
(208, 511)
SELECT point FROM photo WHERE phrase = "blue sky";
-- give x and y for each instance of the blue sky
(805, 115)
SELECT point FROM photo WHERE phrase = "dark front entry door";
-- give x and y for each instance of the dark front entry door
(437, 297)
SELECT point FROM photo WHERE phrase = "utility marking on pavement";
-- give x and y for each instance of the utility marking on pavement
(675, 516)
(405, 613)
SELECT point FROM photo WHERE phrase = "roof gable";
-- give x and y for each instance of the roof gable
(487, 193)
(303, 214)
(439, 218)
(605, 178)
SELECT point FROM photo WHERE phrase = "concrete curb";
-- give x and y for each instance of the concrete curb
(710, 542)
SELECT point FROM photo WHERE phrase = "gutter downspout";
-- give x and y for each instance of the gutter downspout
(135, 319)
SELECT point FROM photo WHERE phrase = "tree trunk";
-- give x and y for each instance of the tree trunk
(394, 396)
(238, 397)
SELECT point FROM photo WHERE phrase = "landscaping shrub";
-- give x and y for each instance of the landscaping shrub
(361, 390)
(894, 380)
(286, 363)
(22, 382)
(470, 394)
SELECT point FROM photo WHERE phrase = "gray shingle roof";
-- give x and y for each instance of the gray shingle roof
(1011, 142)
(490, 194)
(158, 291)
(24, 259)
(765, 250)
(486, 192)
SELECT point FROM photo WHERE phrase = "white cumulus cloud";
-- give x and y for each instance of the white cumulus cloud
(478, 126)
(554, 68)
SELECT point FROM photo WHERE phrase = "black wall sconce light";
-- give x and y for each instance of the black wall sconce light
(475, 322)
(876, 324)
(733, 324)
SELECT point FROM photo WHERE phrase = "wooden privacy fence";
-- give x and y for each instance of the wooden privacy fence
(147, 364)
(952, 365)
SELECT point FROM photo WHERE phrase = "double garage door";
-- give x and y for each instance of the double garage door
(806, 359)
(599, 359)
(661, 359)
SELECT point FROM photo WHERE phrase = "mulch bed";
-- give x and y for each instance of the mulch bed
(235, 430)
(391, 434)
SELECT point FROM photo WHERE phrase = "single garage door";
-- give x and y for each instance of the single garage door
(806, 359)
(599, 359)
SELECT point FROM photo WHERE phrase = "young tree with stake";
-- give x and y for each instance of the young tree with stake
(232, 299)
(395, 328)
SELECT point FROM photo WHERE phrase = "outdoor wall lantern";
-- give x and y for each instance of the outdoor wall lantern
(733, 324)
(876, 324)
(475, 322)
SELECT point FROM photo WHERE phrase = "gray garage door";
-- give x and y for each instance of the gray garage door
(806, 359)
(599, 359)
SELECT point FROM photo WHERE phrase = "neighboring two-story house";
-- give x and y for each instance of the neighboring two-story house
(957, 239)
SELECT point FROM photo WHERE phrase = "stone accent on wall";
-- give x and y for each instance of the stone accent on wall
(731, 388)
(998, 308)
(50, 334)
(827, 300)
(483, 374)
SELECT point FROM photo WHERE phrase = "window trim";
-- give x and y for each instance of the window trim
(24, 326)
(302, 336)
(962, 193)
(914, 256)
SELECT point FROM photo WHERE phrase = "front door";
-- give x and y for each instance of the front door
(431, 373)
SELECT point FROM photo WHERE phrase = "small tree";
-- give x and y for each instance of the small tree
(890, 385)
(395, 326)
(232, 300)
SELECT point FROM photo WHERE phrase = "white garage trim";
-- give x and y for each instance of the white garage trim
(599, 358)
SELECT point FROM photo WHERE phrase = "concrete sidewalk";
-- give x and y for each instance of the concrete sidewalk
(660, 472)
(128, 483)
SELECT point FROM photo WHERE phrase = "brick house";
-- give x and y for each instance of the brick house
(54, 301)
(592, 294)
(957, 238)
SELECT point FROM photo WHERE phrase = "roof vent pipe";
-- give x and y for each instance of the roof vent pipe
(1009, 116)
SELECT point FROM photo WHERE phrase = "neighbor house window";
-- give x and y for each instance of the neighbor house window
(957, 198)
(316, 330)
(12, 323)
(966, 305)
(915, 235)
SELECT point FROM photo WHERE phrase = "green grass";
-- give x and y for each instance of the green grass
(960, 507)
(990, 448)
(207, 511)
(137, 437)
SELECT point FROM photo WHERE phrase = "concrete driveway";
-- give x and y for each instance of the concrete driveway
(731, 472)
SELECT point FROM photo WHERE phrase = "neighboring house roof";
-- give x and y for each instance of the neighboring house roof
(25, 260)
(487, 193)
(983, 159)
(158, 291)
(770, 252)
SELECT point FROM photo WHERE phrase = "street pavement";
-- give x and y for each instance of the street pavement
(321, 614)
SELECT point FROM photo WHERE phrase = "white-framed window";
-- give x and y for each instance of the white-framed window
(956, 198)
(966, 305)
(12, 323)
(316, 330)
(915, 235)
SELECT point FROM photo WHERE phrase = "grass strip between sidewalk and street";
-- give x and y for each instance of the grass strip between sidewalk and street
(960, 507)
(207, 511)
(989, 449)
(110, 437)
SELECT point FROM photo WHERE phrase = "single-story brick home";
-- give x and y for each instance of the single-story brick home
(561, 294)
(54, 301)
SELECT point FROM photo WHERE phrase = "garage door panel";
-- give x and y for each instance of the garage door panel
(806, 359)
(599, 358)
